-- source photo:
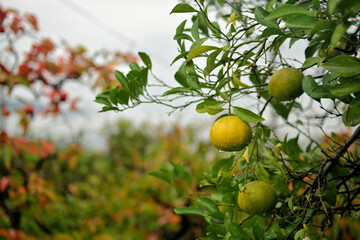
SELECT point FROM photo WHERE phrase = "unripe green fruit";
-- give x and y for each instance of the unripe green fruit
(332, 52)
(286, 84)
(257, 197)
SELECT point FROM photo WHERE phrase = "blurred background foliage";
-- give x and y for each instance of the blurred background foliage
(73, 193)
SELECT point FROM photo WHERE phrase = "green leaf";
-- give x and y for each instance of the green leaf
(181, 36)
(247, 115)
(347, 86)
(312, 49)
(330, 193)
(182, 8)
(299, 235)
(103, 100)
(7, 156)
(321, 92)
(308, 84)
(338, 34)
(195, 211)
(343, 6)
(261, 173)
(343, 66)
(286, 10)
(260, 15)
(176, 90)
(195, 30)
(232, 19)
(257, 231)
(122, 80)
(236, 231)
(301, 22)
(113, 95)
(200, 108)
(197, 43)
(106, 109)
(144, 76)
(282, 109)
(199, 50)
(332, 6)
(146, 59)
(123, 97)
(322, 25)
(311, 61)
(352, 115)
(193, 83)
(210, 61)
(181, 76)
(316, 4)
(271, 31)
(181, 172)
(224, 164)
(237, 81)
(213, 110)
(215, 229)
(220, 2)
(181, 55)
(163, 174)
(270, 5)
(208, 204)
(290, 203)
(180, 28)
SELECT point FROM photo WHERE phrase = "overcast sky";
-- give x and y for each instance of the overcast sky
(125, 25)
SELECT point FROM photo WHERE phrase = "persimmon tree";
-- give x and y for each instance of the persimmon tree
(228, 50)
(32, 84)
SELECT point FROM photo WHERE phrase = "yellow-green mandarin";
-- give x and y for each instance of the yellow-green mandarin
(328, 52)
(286, 84)
(230, 134)
(257, 197)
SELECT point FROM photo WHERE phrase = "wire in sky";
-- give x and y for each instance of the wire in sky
(107, 28)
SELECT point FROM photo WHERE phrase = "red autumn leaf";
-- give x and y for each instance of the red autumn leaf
(28, 109)
(24, 69)
(4, 233)
(4, 182)
(4, 139)
(5, 111)
(41, 66)
(25, 146)
(32, 20)
(47, 46)
(22, 190)
(15, 25)
(4, 69)
(291, 186)
(2, 18)
(62, 95)
(73, 103)
(46, 148)
(132, 58)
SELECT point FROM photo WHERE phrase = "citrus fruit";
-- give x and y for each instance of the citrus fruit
(328, 52)
(286, 84)
(230, 134)
(257, 197)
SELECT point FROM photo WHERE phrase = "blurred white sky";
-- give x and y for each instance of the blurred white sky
(125, 25)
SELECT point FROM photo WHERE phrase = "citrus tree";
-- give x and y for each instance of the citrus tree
(262, 67)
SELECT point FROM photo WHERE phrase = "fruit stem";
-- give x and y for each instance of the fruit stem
(228, 79)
